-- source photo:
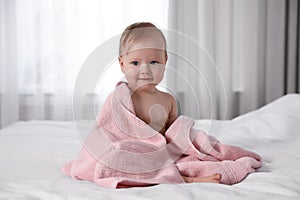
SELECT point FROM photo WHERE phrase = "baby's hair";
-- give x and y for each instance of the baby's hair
(135, 30)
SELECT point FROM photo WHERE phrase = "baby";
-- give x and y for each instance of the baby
(125, 148)
(142, 58)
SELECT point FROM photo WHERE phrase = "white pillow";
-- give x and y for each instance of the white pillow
(278, 120)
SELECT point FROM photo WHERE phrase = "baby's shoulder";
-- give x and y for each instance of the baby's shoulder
(167, 96)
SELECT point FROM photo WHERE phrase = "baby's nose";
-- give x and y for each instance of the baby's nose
(145, 69)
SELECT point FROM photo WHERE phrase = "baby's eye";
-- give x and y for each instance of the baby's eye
(135, 63)
(154, 62)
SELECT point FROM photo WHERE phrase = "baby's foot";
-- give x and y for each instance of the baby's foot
(215, 178)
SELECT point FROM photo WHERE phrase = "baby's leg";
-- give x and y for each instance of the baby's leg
(215, 178)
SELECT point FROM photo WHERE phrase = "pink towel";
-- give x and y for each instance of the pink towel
(123, 151)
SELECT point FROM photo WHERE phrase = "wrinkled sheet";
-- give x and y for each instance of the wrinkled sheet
(32, 153)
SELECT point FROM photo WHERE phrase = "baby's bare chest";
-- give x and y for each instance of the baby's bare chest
(153, 112)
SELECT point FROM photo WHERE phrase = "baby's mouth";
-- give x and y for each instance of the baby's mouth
(145, 79)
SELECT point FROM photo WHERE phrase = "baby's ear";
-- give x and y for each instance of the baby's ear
(121, 62)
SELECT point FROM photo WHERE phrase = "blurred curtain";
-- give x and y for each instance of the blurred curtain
(247, 53)
(39, 59)
(254, 51)
(45, 42)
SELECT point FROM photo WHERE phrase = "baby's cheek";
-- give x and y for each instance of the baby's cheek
(159, 76)
(132, 73)
(158, 70)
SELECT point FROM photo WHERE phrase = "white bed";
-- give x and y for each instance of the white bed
(32, 154)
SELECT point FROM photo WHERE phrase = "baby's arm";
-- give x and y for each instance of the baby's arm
(173, 114)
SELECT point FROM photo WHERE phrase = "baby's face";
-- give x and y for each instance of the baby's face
(143, 67)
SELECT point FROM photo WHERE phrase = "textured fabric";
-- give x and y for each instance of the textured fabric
(123, 151)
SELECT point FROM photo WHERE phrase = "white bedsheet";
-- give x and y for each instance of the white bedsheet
(32, 154)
